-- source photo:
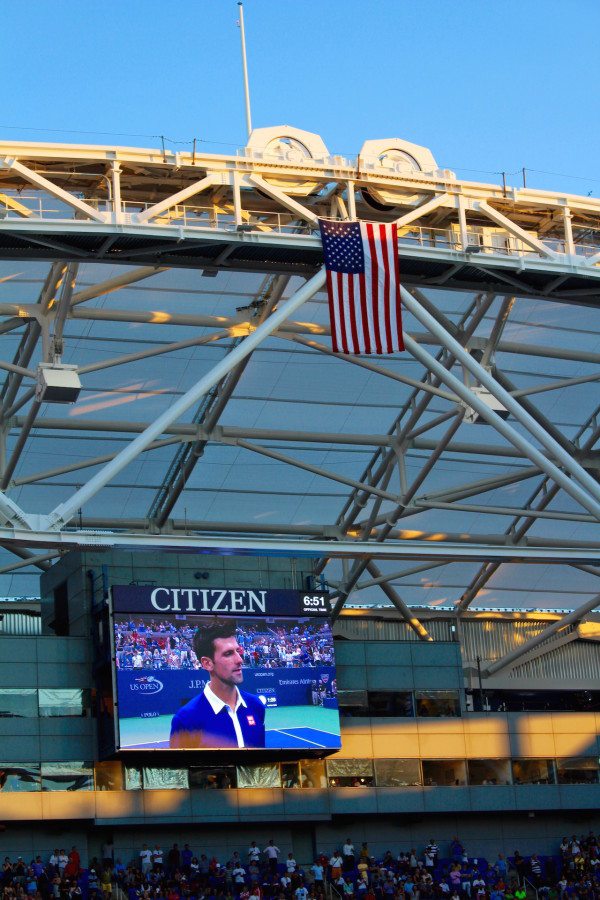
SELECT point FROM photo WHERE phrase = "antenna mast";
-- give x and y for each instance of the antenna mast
(245, 68)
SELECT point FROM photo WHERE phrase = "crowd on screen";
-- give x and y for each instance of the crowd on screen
(264, 872)
(164, 644)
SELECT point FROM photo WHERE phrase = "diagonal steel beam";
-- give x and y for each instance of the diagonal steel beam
(360, 565)
(392, 576)
(377, 466)
(469, 323)
(20, 443)
(210, 412)
(591, 486)
(65, 511)
(502, 511)
(587, 499)
(30, 560)
(497, 330)
(31, 336)
(546, 492)
(363, 363)
(316, 470)
(399, 603)
(534, 642)
(115, 284)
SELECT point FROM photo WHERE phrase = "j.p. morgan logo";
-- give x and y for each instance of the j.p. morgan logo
(146, 684)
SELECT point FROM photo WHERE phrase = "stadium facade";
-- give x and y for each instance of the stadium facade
(166, 420)
(431, 745)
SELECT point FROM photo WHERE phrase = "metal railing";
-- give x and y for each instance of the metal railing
(530, 886)
(487, 241)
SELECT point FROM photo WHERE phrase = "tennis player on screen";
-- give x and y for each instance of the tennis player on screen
(222, 715)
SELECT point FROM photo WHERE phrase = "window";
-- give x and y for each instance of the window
(397, 772)
(350, 772)
(20, 702)
(489, 771)
(19, 777)
(445, 772)
(67, 776)
(60, 623)
(577, 770)
(353, 703)
(213, 778)
(266, 776)
(437, 703)
(63, 702)
(133, 778)
(165, 779)
(290, 775)
(312, 773)
(108, 776)
(391, 703)
(533, 771)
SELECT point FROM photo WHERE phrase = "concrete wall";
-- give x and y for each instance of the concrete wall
(46, 662)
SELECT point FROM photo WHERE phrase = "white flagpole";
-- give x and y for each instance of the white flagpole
(245, 69)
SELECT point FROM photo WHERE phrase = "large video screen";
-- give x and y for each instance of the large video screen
(215, 668)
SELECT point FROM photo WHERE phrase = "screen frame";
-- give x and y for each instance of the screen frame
(299, 604)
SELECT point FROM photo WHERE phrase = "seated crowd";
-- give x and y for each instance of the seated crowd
(265, 873)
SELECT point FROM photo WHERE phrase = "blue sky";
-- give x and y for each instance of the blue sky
(488, 86)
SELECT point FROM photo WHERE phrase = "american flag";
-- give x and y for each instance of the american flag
(363, 284)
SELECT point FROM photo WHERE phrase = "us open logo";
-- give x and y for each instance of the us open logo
(147, 684)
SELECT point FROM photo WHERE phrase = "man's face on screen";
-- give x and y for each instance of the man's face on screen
(226, 662)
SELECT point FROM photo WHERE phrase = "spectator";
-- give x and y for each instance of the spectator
(536, 870)
(317, 870)
(336, 862)
(456, 850)
(145, 859)
(73, 867)
(157, 858)
(63, 859)
(348, 853)
(174, 859)
(272, 852)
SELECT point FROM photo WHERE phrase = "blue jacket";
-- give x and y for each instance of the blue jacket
(197, 725)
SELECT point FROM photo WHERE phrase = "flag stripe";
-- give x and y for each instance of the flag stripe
(353, 292)
(334, 319)
(395, 305)
(385, 312)
(365, 340)
(344, 311)
(371, 281)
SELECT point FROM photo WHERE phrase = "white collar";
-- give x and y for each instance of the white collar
(217, 704)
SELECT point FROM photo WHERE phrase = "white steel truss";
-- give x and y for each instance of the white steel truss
(471, 256)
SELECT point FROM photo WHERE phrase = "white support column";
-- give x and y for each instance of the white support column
(462, 222)
(513, 406)
(351, 200)
(117, 211)
(237, 199)
(63, 513)
(569, 244)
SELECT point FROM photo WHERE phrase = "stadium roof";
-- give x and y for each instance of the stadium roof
(146, 270)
